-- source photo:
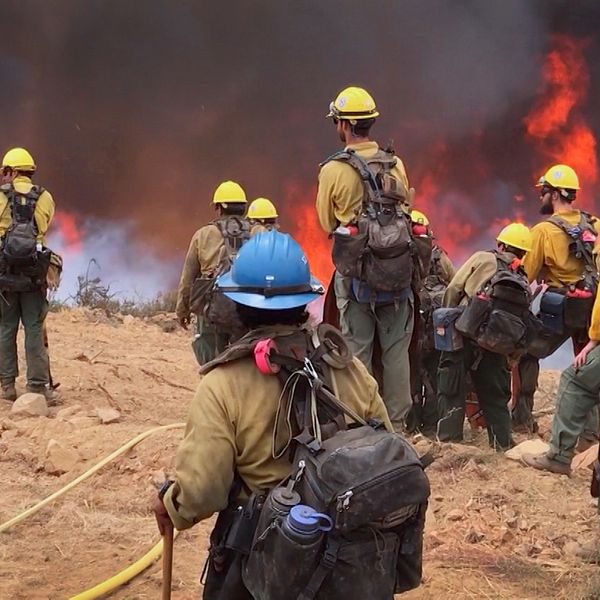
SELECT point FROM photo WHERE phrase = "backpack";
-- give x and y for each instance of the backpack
(583, 237)
(498, 318)
(366, 482)
(578, 299)
(23, 268)
(383, 253)
(19, 246)
(431, 296)
(204, 298)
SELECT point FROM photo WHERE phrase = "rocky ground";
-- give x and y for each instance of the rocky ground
(495, 529)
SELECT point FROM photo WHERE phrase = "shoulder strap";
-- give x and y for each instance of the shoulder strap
(583, 250)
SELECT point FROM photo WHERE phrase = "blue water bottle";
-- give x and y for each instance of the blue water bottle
(305, 525)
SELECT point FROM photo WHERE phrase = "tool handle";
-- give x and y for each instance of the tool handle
(167, 563)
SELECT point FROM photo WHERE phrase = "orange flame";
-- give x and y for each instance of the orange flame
(65, 225)
(556, 123)
(308, 232)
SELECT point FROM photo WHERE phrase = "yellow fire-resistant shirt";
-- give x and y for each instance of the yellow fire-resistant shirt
(229, 428)
(341, 191)
(549, 259)
(594, 330)
(204, 255)
(44, 208)
(471, 277)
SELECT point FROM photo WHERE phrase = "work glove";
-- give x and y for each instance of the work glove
(184, 321)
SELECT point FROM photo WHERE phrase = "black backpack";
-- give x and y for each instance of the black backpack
(498, 318)
(431, 296)
(19, 245)
(204, 297)
(383, 253)
(368, 482)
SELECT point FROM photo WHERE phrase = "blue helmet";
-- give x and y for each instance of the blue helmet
(270, 272)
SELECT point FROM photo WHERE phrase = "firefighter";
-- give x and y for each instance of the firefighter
(367, 316)
(424, 358)
(210, 252)
(26, 211)
(226, 452)
(489, 371)
(553, 261)
(577, 395)
(263, 212)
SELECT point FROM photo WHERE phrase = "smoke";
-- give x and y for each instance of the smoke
(136, 111)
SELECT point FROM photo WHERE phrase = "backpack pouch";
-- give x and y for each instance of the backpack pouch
(409, 569)
(348, 251)
(200, 293)
(552, 307)
(503, 333)
(446, 336)
(578, 312)
(365, 567)
(278, 567)
(474, 316)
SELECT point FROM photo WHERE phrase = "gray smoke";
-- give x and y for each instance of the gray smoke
(136, 110)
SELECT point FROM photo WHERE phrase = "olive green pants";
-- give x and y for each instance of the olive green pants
(529, 369)
(392, 326)
(208, 342)
(578, 393)
(29, 308)
(491, 380)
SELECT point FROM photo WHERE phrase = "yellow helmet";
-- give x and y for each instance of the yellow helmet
(19, 160)
(229, 192)
(262, 208)
(561, 177)
(353, 104)
(516, 235)
(416, 216)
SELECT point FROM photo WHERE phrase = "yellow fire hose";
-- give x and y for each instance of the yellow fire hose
(124, 576)
(134, 569)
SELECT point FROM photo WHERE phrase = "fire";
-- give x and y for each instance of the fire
(308, 232)
(556, 123)
(65, 233)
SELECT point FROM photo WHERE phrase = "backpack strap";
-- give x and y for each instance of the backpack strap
(582, 250)
(325, 566)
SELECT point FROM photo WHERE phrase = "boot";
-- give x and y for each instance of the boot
(52, 396)
(584, 444)
(543, 462)
(9, 392)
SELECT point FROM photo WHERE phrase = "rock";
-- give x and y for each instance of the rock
(158, 478)
(9, 434)
(169, 326)
(588, 552)
(59, 459)
(128, 320)
(585, 459)
(455, 515)
(82, 422)
(536, 446)
(505, 536)
(474, 536)
(108, 415)
(64, 413)
(30, 405)
(8, 424)
(523, 525)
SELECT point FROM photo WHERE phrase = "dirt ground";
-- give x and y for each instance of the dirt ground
(495, 529)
